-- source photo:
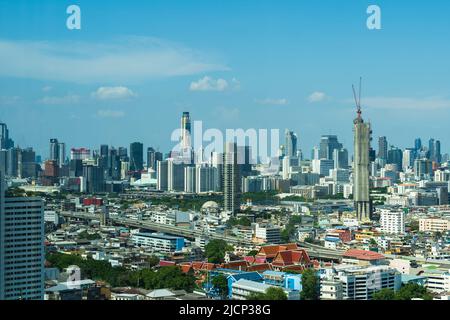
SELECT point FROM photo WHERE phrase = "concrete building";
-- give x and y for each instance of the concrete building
(21, 247)
(434, 225)
(158, 242)
(392, 222)
(175, 175)
(162, 183)
(242, 288)
(360, 283)
(362, 137)
(267, 233)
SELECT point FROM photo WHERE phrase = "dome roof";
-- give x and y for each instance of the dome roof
(210, 205)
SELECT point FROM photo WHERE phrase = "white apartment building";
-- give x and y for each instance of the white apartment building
(392, 222)
(158, 242)
(434, 225)
(242, 288)
(360, 283)
(437, 281)
(331, 289)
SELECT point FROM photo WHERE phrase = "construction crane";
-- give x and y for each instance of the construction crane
(358, 99)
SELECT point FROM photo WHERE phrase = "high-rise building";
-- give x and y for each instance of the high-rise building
(12, 162)
(437, 151)
(76, 168)
(93, 179)
(175, 175)
(5, 141)
(434, 151)
(231, 179)
(340, 157)
(58, 152)
(80, 154)
(27, 163)
(152, 157)
(382, 148)
(291, 143)
(328, 144)
(408, 159)
(423, 168)
(162, 175)
(189, 179)
(418, 144)
(206, 179)
(21, 247)
(123, 154)
(245, 160)
(136, 156)
(62, 154)
(395, 156)
(114, 165)
(392, 222)
(185, 130)
(362, 136)
(3, 161)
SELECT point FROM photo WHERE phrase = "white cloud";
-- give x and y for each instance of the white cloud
(47, 89)
(278, 102)
(110, 113)
(402, 103)
(126, 59)
(108, 93)
(4, 100)
(209, 84)
(316, 96)
(52, 100)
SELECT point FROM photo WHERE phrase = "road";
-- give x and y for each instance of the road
(169, 229)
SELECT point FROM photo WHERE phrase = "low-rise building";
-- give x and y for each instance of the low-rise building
(158, 242)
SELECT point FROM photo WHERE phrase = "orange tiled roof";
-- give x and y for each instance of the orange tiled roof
(363, 255)
(260, 267)
(272, 250)
(238, 265)
(291, 257)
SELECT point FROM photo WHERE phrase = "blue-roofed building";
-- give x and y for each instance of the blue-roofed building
(420, 280)
(242, 288)
(251, 276)
(293, 282)
(332, 242)
(283, 279)
(158, 242)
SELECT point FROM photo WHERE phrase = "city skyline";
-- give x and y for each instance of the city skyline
(288, 78)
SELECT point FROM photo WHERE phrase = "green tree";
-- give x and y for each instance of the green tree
(413, 290)
(152, 261)
(310, 285)
(215, 250)
(384, 294)
(220, 283)
(272, 293)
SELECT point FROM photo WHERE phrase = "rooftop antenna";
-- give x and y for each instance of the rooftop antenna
(358, 99)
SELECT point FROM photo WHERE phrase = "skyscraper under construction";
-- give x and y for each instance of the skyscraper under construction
(362, 137)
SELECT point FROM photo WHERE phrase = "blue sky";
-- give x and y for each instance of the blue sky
(135, 66)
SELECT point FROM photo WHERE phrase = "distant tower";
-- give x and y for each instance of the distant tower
(185, 130)
(362, 135)
(231, 178)
(136, 156)
(291, 143)
(382, 148)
